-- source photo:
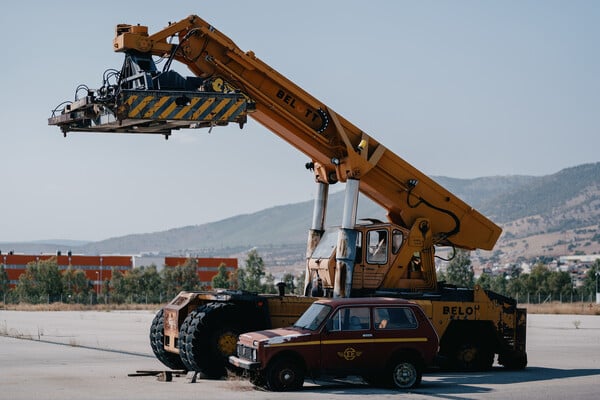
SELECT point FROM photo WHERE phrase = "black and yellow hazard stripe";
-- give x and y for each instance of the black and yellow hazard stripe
(188, 106)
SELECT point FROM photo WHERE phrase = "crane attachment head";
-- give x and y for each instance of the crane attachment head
(141, 99)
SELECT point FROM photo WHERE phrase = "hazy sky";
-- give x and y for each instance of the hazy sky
(460, 89)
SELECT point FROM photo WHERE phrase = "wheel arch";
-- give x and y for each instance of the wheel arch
(458, 331)
(408, 354)
(288, 354)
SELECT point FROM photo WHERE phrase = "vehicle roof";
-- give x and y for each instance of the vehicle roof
(367, 301)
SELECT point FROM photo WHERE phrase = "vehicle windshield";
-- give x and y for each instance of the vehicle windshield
(313, 317)
(326, 245)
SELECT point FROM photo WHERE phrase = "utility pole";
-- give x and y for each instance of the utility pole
(597, 291)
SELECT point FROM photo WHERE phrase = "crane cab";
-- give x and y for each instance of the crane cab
(386, 256)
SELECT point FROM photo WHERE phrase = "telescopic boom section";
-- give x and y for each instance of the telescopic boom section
(339, 150)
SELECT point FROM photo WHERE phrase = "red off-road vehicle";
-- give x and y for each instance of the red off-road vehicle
(386, 341)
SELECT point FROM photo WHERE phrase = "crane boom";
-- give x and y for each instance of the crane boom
(339, 149)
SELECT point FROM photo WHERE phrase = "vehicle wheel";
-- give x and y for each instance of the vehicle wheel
(514, 361)
(210, 338)
(405, 374)
(284, 374)
(473, 356)
(157, 336)
(183, 331)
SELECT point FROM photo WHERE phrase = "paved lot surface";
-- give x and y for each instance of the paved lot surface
(88, 355)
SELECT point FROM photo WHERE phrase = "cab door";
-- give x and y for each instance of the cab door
(347, 341)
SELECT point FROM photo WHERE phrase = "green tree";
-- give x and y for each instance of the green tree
(290, 282)
(537, 281)
(41, 282)
(253, 272)
(460, 270)
(516, 287)
(221, 279)
(182, 277)
(4, 282)
(118, 287)
(299, 289)
(590, 281)
(142, 285)
(269, 285)
(76, 285)
(560, 285)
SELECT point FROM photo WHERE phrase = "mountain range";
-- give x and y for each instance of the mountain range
(545, 216)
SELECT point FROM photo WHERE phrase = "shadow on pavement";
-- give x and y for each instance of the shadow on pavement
(449, 385)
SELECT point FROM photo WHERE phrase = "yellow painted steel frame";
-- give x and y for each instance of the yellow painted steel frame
(338, 149)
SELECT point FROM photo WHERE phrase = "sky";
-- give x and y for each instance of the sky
(458, 89)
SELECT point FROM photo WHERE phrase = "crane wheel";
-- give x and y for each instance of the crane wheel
(182, 334)
(171, 360)
(209, 338)
(471, 355)
(513, 360)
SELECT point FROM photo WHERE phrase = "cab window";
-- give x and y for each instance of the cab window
(397, 239)
(377, 246)
(394, 318)
(350, 319)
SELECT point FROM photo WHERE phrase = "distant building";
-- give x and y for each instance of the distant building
(97, 268)
(585, 259)
(207, 267)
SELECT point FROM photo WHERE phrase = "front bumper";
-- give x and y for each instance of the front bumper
(243, 363)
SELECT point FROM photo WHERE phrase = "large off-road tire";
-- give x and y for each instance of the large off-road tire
(513, 360)
(472, 355)
(157, 336)
(182, 335)
(208, 337)
(284, 374)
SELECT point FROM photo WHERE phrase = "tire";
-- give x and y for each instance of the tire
(183, 331)
(472, 356)
(514, 361)
(405, 373)
(284, 374)
(157, 336)
(209, 338)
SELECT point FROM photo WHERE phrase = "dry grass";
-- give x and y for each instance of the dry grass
(78, 307)
(563, 308)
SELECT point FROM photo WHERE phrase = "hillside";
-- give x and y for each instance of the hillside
(552, 215)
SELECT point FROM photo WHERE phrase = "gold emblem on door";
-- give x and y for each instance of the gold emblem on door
(349, 354)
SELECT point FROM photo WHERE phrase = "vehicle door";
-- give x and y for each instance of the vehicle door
(395, 327)
(346, 341)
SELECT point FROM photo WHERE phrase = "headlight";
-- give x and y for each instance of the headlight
(254, 355)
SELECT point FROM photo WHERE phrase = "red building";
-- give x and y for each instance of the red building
(97, 268)
(207, 267)
(100, 268)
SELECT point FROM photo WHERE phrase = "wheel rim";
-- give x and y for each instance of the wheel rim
(405, 375)
(227, 343)
(287, 377)
(467, 355)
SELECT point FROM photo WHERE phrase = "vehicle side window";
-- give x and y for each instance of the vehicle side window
(397, 239)
(358, 258)
(394, 318)
(377, 242)
(350, 319)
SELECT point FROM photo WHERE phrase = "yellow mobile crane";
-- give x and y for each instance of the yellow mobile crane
(197, 331)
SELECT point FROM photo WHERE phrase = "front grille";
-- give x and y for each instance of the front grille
(245, 352)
